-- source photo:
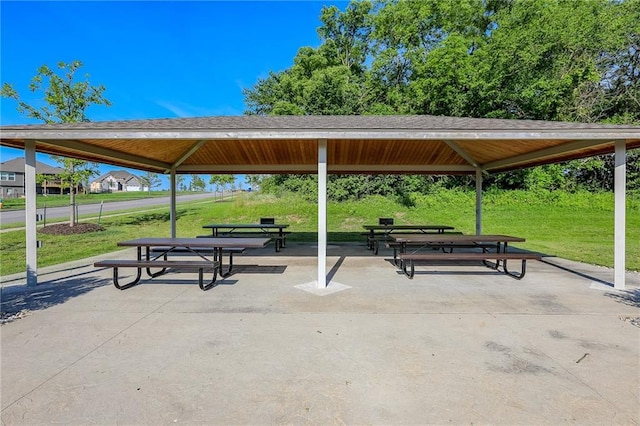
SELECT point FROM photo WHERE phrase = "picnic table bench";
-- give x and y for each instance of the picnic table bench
(207, 250)
(406, 261)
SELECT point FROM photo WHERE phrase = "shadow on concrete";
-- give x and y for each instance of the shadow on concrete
(578, 273)
(627, 297)
(334, 269)
(18, 298)
(258, 269)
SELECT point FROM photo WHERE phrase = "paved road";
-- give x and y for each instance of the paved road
(17, 216)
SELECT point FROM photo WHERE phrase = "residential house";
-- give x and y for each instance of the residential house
(12, 179)
(118, 181)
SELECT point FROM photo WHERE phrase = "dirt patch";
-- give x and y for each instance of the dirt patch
(65, 229)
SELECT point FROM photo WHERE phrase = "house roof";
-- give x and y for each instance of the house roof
(355, 144)
(122, 175)
(17, 165)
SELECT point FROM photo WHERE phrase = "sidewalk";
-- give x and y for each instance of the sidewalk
(463, 345)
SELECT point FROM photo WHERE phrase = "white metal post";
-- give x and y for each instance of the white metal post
(322, 213)
(620, 178)
(30, 212)
(478, 201)
(172, 213)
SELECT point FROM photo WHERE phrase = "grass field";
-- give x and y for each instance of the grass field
(574, 226)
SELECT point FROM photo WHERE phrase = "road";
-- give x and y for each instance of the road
(17, 216)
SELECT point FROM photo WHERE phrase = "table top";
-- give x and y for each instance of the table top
(406, 227)
(247, 225)
(455, 238)
(197, 242)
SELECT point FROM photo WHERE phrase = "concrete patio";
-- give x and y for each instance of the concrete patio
(458, 344)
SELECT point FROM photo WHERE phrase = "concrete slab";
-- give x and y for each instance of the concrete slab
(457, 344)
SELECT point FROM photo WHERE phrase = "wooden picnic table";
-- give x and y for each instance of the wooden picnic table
(383, 231)
(208, 252)
(235, 230)
(501, 241)
(450, 242)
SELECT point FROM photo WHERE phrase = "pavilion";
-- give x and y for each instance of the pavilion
(321, 145)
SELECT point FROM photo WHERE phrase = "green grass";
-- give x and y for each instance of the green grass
(573, 226)
(63, 200)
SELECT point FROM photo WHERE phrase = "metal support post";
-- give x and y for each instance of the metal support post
(30, 212)
(620, 184)
(322, 213)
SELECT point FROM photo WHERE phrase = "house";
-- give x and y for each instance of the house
(118, 181)
(12, 179)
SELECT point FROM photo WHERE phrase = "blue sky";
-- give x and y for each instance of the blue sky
(156, 59)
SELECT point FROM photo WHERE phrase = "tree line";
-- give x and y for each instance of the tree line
(556, 60)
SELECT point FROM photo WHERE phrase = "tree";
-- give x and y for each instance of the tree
(254, 181)
(180, 183)
(75, 172)
(44, 179)
(197, 183)
(66, 101)
(216, 180)
(150, 180)
(231, 181)
(552, 60)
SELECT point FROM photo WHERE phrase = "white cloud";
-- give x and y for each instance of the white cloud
(183, 110)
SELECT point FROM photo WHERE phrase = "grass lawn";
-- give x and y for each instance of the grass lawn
(573, 226)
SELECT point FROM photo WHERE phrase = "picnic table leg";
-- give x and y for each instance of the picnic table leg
(217, 257)
(116, 281)
(119, 286)
(396, 259)
(228, 272)
(491, 265)
(517, 276)
(154, 274)
(412, 271)
(211, 283)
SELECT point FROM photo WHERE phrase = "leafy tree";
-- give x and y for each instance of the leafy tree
(197, 183)
(219, 182)
(65, 101)
(254, 181)
(537, 59)
(180, 183)
(150, 180)
(324, 81)
(75, 172)
(44, 179)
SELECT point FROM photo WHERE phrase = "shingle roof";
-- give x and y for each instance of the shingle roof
(17, 165)
(323, 122)
(355, 144)
(122, 175)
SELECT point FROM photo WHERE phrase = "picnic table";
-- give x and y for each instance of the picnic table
(274, 231)
(382, 231)
(208, 253)
(447, 243)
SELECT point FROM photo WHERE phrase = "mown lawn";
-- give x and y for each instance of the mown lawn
(574, 226)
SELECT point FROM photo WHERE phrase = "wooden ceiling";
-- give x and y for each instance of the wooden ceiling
(355, 144)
